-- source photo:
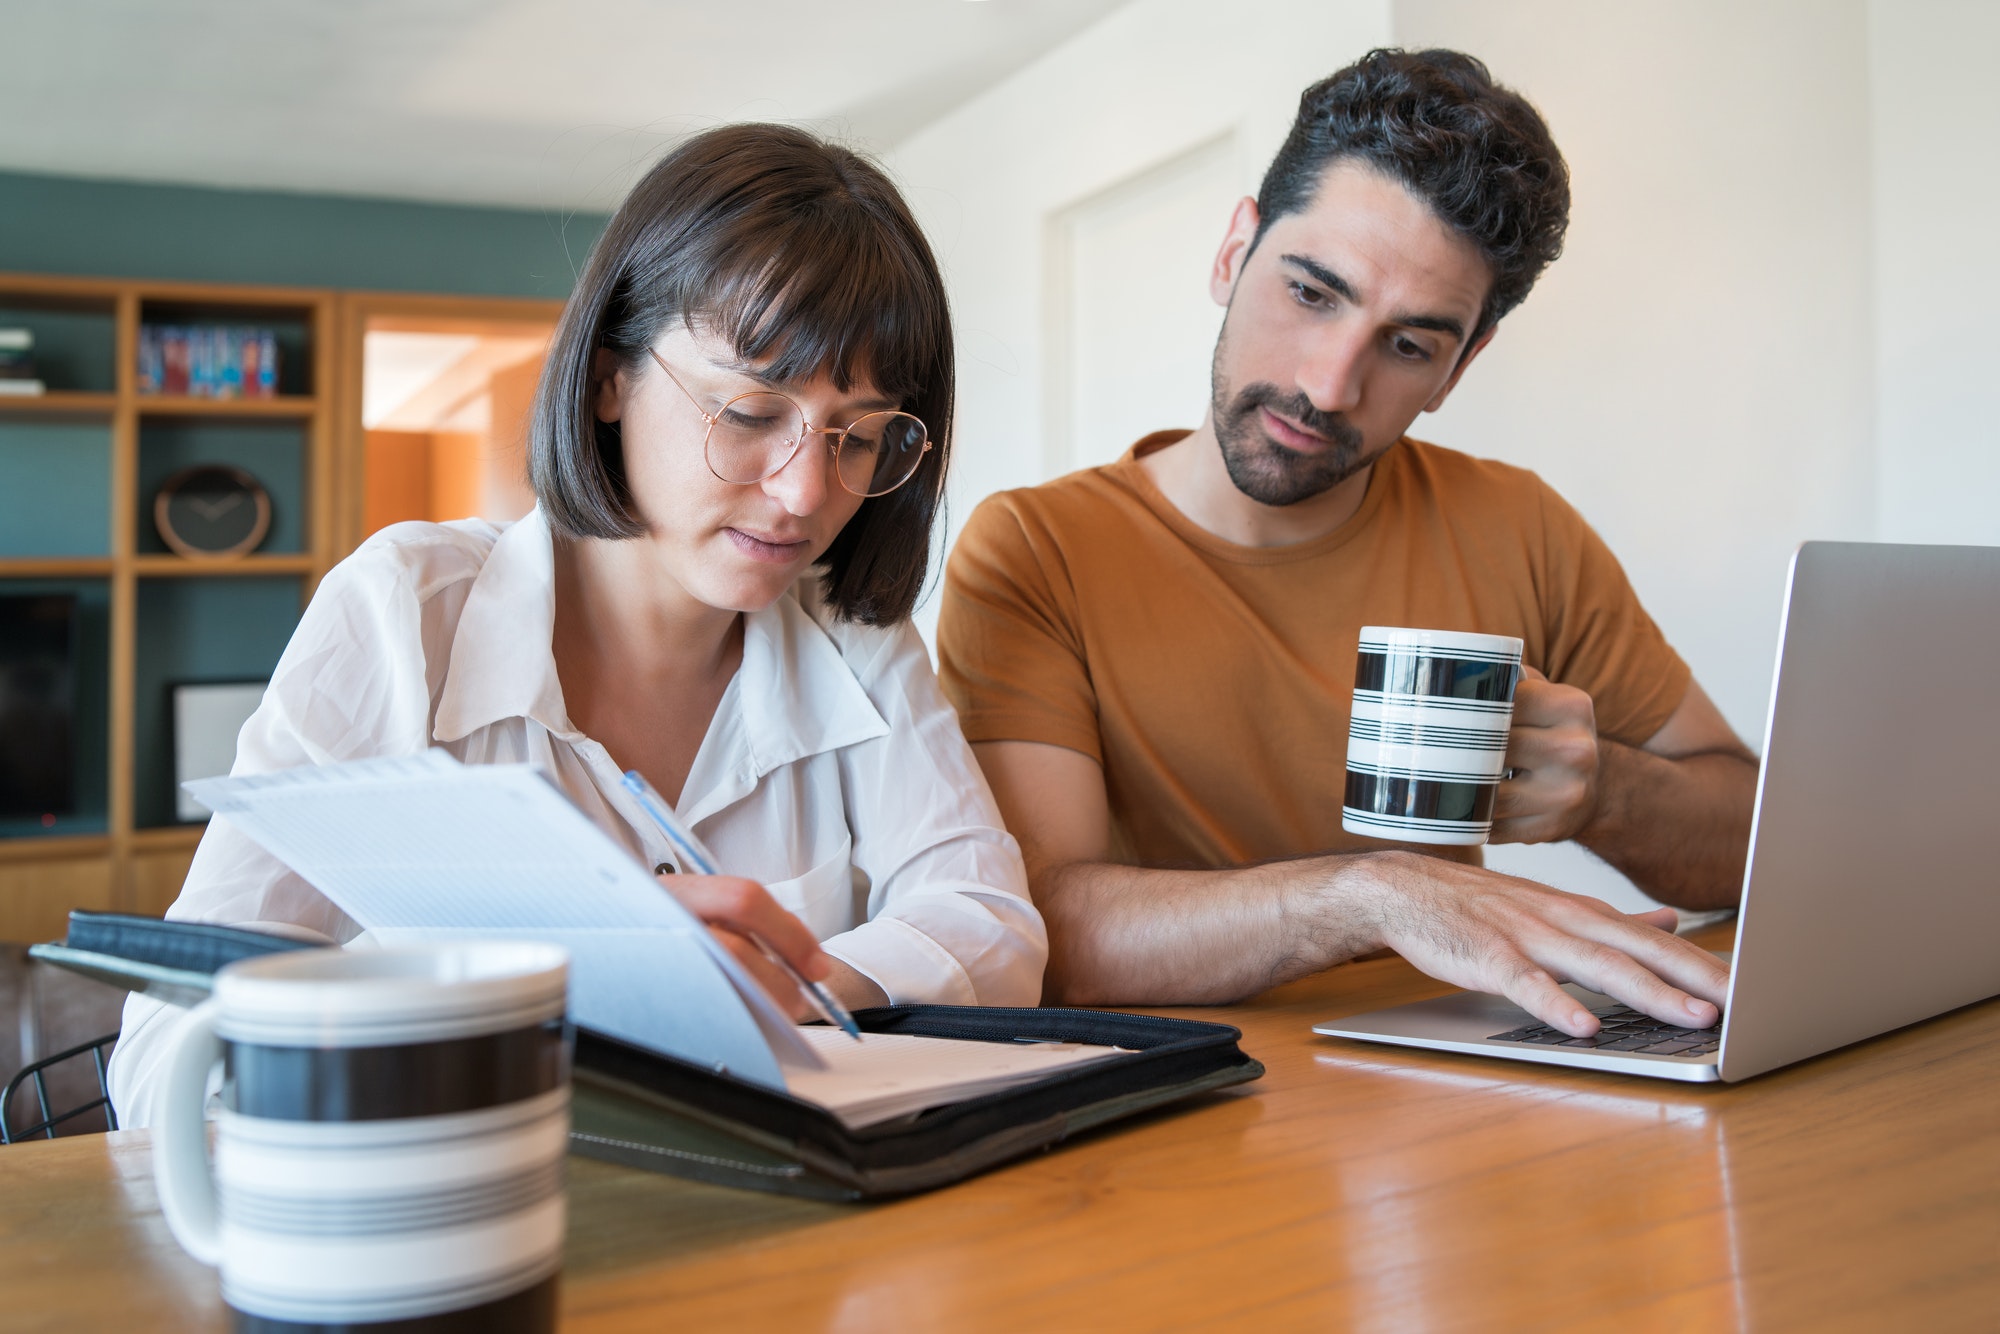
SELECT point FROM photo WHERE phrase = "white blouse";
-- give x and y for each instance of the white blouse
(833, 771)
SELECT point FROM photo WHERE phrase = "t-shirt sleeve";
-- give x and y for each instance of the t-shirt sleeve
(1599, 637)
(1010, 650)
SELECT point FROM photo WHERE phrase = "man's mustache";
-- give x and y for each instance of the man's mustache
(1298, 408)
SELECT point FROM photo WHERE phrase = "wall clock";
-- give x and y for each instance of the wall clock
(211, 510)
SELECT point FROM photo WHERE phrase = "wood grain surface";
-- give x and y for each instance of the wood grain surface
(1351, 1188)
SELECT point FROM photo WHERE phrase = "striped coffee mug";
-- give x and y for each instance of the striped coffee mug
(1427, 741)
(390, 1144)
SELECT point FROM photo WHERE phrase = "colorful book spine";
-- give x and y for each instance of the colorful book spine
(206, 361)
(17, 363)
(17, 353)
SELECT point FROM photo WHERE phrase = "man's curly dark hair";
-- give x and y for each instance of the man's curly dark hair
(1476, 152)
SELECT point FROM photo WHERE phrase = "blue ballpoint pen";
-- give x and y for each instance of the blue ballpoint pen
(700, 862)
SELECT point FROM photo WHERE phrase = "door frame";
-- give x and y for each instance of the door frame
(428, 312)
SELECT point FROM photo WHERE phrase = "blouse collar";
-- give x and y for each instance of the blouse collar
(794, 694)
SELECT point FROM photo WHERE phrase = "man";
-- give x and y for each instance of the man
(1154, 659)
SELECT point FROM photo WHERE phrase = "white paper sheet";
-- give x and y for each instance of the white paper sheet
(887, 1075)
(423, 846)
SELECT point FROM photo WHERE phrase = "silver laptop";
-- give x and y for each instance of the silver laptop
(1871, 897)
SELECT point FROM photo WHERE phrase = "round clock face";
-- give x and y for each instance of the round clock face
(212, 510)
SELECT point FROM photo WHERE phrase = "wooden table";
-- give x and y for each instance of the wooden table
(1352, 1187)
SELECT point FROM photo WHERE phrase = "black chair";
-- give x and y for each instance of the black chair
(37, 1073)
(105, 942)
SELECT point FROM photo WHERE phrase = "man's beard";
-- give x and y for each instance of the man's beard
(1266, 471)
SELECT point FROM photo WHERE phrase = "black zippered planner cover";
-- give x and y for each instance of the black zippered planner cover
(636, 1107)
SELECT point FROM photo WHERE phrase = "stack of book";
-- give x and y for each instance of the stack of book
(208, 362)
(17, 363)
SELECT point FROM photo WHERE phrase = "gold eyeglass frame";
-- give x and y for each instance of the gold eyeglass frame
(838, 434)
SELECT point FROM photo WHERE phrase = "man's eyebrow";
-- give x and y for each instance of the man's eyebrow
(1333, 282)
(1322, 275)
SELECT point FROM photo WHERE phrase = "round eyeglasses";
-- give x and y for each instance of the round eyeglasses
(753, 435)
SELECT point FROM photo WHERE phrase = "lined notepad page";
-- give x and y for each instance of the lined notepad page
(887, 1075)
(418, 846)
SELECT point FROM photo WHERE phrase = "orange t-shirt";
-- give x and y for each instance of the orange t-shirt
(1213, 681)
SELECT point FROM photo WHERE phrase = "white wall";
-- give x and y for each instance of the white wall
(1699, 373)
(1695, 373)
(1128, 324)
(993, 181)
(1936, 138)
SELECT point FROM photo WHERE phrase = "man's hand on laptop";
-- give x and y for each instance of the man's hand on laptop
(1140, 935)
(1490, 932)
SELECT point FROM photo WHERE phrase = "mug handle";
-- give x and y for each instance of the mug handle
(181, 1170)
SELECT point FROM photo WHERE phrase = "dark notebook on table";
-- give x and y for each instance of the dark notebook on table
(639, 1107)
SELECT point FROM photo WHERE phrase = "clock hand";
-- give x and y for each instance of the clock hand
(215, 509)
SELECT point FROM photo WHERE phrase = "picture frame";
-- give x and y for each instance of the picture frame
(207, 718)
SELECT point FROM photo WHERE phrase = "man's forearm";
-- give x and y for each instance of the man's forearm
(1680, 828)
(1130, 935)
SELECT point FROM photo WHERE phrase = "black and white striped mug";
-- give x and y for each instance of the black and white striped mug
(390, 1144)
(1427, 741)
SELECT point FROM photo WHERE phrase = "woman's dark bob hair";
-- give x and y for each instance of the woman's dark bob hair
(800, 254)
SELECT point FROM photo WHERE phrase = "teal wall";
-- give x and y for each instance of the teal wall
(54, 477)
(54, 474)
(53, 224)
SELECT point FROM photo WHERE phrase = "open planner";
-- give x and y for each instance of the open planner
(682, 1063)
(420, 847)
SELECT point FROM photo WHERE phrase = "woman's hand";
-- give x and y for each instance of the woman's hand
(736, 910)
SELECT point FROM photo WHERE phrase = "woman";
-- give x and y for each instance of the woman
(737, 491)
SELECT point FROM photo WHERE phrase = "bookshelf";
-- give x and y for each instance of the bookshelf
(78, 468)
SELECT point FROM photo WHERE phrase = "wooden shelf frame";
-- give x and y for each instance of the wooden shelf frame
(62, 847)
(128, 868)
(59, 403)
(168, 838)
(184, 405)
(56, 567)
(212, 567)
(139, 869)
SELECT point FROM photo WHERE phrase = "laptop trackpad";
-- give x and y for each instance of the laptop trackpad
(1463, 1016)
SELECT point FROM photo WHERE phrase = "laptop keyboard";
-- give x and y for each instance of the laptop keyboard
(1623, 1030)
